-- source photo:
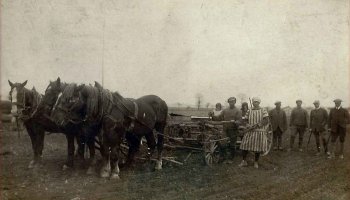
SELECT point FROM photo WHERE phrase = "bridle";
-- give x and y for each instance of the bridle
(69, 111)
(21, 113)
(23, 104)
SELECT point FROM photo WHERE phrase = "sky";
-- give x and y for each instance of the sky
(276, 50)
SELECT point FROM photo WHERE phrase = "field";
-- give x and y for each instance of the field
(282, 175)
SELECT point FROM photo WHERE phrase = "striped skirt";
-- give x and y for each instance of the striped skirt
(254, 141)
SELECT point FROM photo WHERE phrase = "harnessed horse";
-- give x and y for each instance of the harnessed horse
(34, 110)
(119, 118)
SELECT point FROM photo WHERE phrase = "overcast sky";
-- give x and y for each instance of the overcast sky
(277, 50)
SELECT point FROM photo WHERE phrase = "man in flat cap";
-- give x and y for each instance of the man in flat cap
(234, 115)
(338, 119)
(278, 119)
(318, 122)
(255, 140)
(298, 124)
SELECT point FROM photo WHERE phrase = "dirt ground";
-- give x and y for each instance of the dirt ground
(282, 175)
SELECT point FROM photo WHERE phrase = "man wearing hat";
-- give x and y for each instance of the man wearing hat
(338, 119)
(298, 123)
(318, 121)
(233, 114)
(278, 120)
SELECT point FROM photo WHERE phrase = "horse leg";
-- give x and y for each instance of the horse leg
(115, 152)
(160, 144)
(70, 147)
(39, 145)
(105, 148)
(32, 136)
(92, 162)
(151, 142)
(81, 146)
(134, 146)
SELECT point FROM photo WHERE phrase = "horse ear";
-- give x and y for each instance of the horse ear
(82, 90)
(11, 84)
(24, 83)
(58, 82)
(98, 85)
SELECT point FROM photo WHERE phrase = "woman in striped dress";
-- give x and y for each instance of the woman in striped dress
(255, 140)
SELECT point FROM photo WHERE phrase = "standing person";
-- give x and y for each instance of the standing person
(298, 124)
(255, 140)
(318, 122)
(338, 119)
(278, 120)
(233, 114)
(216, 113)
(244, 109)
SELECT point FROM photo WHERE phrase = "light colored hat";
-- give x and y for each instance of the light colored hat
(277, 102)
(337, 100)
(299, 100)
(256, 99)
(231, 99)
(316, 101)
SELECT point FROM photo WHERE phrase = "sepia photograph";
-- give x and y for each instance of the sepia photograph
(174, 99)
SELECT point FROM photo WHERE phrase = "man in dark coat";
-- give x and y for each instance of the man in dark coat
(298, 124)
(233, 114)
(318, 122)
(278, 120)
(338, 119)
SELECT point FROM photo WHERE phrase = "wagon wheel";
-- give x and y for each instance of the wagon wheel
(269, 135)
(211, 154)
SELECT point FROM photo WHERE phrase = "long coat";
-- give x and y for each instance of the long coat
(318, 119)
(278, 118)
(338, 117)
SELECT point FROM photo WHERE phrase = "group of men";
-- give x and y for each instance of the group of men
(257, 121)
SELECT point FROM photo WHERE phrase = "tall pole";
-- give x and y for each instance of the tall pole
(103, 49)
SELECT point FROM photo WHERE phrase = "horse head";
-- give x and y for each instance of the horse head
(52, 93)
(70, 107)
(18, 97)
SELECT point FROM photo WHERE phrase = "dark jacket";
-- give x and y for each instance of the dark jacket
(338, 117)
(278, 119)
(318, 119)
(299, 117)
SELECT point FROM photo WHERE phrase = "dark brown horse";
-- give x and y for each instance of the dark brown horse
(119, 117)
(34, 110)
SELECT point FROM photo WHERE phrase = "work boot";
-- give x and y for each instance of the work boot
(318, 151)
(331, 151)
(341, 148)
(331, 155)
(292, 138)
(324, 142)
(243, 164)
(256, 165)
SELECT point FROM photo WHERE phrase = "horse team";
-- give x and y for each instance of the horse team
(90, 114)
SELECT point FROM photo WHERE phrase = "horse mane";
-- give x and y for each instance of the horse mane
(36, 98)
(68, 92)
(92, 101)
